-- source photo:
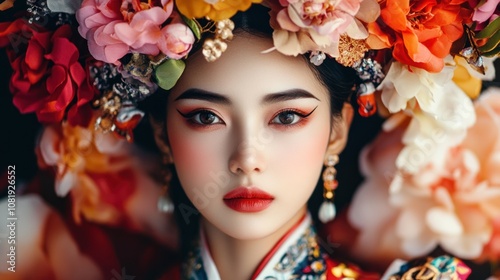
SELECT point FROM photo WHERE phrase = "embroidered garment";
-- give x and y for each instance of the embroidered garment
(297, 256)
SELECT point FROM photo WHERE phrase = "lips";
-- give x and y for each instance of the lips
(248, 199)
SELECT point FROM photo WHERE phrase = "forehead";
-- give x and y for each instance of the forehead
(244, 69)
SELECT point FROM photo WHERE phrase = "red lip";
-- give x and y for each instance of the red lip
(248, 199)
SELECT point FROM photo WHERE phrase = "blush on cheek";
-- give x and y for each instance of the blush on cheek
(188, 155)
(306, 149)
(197, 158)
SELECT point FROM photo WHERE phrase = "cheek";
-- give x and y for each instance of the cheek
(194, 154)
(306, 150)
(298, 161)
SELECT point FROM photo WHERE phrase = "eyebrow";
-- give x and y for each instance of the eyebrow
(288, 95)
(195, 93)
(199, 94)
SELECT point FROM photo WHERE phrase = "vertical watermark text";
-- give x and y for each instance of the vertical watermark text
(11, 217)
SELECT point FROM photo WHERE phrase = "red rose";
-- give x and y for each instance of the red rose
(47, 77)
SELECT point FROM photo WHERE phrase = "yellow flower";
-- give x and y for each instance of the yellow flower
(465, 80)
(213, 9)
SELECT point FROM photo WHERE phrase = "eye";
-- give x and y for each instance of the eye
(287, 118)
(202, 117)
(290, 117)
(206, 117)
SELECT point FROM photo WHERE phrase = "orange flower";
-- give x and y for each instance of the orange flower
(215, 10)
(83, 160)
(420, 32)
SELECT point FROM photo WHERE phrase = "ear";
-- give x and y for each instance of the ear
(161, 139)
(340, 131)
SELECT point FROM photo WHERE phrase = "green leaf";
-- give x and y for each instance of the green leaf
(492, 43)
(168, 73)
(489, 30)
(492, 53)
(194, 26)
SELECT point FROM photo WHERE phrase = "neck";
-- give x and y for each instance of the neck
(238, 259)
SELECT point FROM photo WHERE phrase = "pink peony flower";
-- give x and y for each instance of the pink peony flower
(114, 28)
(176, 41)
(453, 201)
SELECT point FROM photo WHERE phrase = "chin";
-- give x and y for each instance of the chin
(252, 230)
(251, 226)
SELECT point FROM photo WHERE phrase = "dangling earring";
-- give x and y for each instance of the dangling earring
(327, 210)
(165, 204)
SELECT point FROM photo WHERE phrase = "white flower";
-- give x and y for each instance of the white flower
(441, 112)
(404, 87)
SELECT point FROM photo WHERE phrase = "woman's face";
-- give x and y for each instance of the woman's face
(248, 135)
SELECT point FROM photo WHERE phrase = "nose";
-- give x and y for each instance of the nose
(248, 156)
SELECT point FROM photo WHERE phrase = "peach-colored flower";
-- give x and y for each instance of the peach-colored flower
(114, 28)
(453, 201)
(303, 26)
(492, 249)
(420, 32)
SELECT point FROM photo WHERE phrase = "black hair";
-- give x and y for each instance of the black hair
(338, 79)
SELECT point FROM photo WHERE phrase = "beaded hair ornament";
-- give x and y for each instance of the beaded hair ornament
(133, 47)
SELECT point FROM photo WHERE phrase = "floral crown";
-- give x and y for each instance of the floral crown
(137, 46)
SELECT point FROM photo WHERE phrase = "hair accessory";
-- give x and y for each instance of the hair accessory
(165, 204)
(371, 75)
(327, 209)
(213, 48)
(121, 89)
(317, 57)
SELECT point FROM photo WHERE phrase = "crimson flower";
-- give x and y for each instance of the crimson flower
(47, 77)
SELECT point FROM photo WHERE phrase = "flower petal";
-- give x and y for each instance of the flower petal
(444, 222)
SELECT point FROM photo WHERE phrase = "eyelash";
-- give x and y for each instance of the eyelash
(298, 113)
(190, 117)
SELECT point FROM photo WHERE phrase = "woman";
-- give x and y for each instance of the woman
(248, 135)
(246, 130)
